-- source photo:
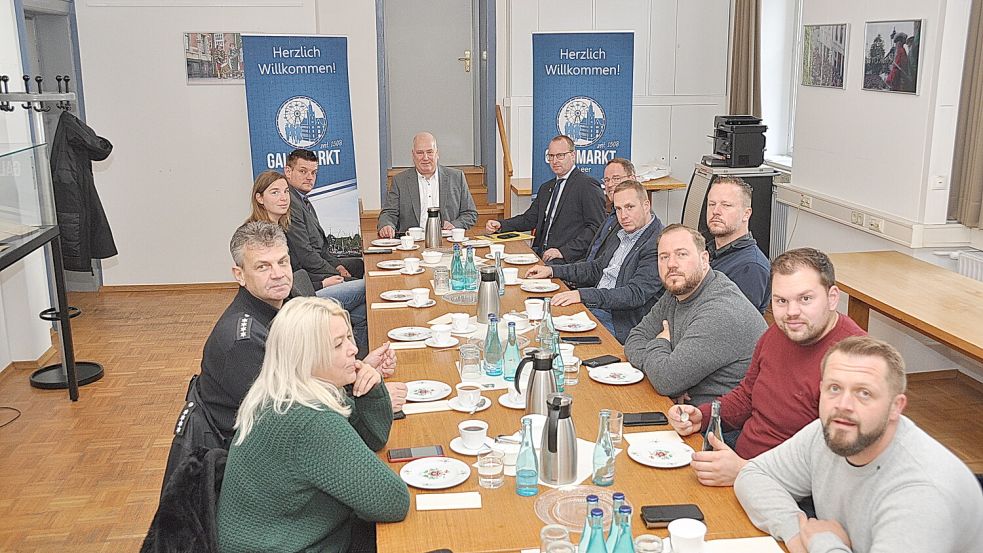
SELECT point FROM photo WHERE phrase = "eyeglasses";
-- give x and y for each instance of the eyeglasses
(615, 179)
(559, 156)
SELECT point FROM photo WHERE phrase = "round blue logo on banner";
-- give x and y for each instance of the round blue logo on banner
(301, 122)
(582, 119)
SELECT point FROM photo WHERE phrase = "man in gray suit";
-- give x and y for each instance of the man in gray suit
(426, 185)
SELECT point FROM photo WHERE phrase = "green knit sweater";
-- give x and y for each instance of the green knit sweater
(299, 479)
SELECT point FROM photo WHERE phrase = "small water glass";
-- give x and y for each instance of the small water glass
(491, 469)
(571, 371)
(615, 425)
(552, 533)
(441, 280)
(648, 543)
(560, 547)
(470, 363)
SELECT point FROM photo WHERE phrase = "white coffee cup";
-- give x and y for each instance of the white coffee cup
(459, 321)
(534, 309)
(566, 351)
(411, 264)
(415, 232)
(538, 424)
(406, 242)
(510, 451)
(421, 296)
(511, 274)
(473, 432)
(497, 248)
(686, 535)
(441, 333)
(432, 256)
(457, 234)
(468, 394)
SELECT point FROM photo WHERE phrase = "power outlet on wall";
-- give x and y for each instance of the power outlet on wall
(875, 224)
(805, 201)
(857, 218)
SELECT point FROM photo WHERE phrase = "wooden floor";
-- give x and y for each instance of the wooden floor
(85, 476)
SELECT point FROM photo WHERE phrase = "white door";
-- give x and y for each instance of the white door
(430, 89)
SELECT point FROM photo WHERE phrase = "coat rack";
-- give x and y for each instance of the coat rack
(67, 374)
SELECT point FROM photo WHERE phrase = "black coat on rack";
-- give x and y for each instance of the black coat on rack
(85, 232)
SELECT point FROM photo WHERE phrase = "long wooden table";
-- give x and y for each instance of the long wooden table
(937, 302)
(506, 521)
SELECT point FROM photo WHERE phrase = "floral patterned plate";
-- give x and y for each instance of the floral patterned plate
(409, 333)
(661, 455)
(435, 473)
(426, 390)
(616, 373)
(570, 324)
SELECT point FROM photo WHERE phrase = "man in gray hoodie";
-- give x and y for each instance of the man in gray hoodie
(697, 341)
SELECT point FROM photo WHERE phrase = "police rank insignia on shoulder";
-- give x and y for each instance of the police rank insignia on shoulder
(245, 326)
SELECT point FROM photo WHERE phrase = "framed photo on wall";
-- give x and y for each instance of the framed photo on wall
(213, 58)
(824, 50)
(891, 55)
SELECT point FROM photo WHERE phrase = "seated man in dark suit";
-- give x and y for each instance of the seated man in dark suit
(622, 290)
(309, 249)
(426, 185)
(567, 211)
(733, 251)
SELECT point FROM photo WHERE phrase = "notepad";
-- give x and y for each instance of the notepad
(447, 501)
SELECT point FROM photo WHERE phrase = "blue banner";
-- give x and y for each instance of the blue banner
(297, 97)
(582, 89)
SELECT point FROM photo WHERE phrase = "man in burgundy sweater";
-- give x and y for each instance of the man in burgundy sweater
(779, 395)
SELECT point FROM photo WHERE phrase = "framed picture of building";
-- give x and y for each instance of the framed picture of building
(213, 58)
(891, 55)
(824, 55)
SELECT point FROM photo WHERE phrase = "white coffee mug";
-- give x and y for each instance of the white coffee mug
(459, 321)
(686, 535)
(411, 264)
(473, 432)
(468, 394)
(415, 232)
(420, 296)
(566, 350)
(511, 275)
(457, 234)
(406, 242)
(534, 309)
(497, 248)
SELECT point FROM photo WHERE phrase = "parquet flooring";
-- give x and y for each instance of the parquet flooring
(85, 476)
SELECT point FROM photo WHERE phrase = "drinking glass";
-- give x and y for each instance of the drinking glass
(470, 363)
(571, 371)
(561, 547)
(441, 280)
(648, 543)
(552, 533)
(491, 469)
(615, 425)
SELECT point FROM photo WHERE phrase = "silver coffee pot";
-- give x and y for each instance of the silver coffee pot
(432, 233)
(558, 451)
(541, 384)
(488, 302)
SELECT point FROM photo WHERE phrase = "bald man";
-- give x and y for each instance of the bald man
(426, 185)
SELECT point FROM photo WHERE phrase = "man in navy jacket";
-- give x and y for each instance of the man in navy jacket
(733, 251)
(622, 290)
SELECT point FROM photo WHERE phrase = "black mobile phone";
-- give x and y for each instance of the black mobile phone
(651, 418)
(399, 415)
(601, 360)
(403, 454)
(581, 339)
(659, 516)
(506, 235)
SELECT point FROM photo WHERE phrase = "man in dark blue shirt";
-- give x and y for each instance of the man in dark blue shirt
(733, 251)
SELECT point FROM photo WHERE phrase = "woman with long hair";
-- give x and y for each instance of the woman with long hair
(301, 473)
(271, 199)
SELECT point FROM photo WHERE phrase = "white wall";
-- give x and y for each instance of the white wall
(23, 285)
(680, 77)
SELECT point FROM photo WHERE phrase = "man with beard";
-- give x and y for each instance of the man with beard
(733, 251)
(880, 483)
(780, 392)
(696, 342)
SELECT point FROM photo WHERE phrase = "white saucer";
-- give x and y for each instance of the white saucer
(430, 303)
(539, 286)
(391, 264)
(385, 242)
(472, 328)
(504, 401)
(492, 257)
(461, 241)
(455, 404)
(475, 243)
(403, 271)
(413, 247)
(430, 342)
(457, 446)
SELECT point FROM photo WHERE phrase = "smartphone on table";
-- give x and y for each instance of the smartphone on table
(581, 339)
(403, 454)
(659, 516)
(651, 418)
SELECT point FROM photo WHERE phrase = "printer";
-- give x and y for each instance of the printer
(738, 141)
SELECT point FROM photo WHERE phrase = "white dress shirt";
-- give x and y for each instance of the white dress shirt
(429, 194)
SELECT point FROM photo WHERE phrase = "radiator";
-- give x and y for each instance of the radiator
(779, 227)
(970, 263)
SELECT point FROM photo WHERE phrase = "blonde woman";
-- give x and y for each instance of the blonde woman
(301, 473)
(271, 199)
